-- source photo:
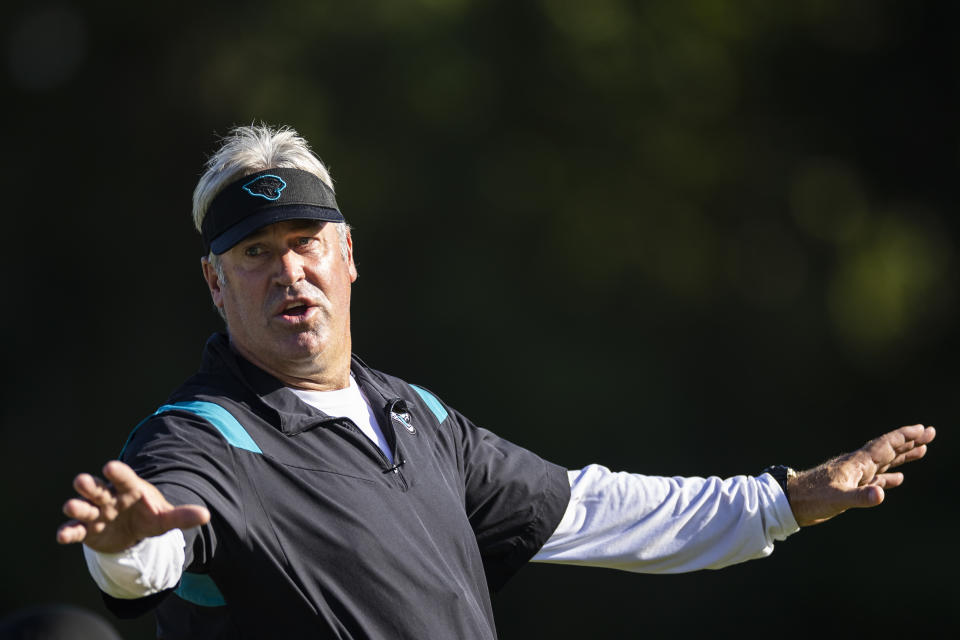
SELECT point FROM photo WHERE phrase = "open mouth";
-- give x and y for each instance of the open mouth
(296, 312)
(299, 310)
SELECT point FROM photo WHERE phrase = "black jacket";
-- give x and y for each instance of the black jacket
(315, 533)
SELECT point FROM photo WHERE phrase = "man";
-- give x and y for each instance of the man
(289, 490)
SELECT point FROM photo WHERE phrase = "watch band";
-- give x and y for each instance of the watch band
(781, 473)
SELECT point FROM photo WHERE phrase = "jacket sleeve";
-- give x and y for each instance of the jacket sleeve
(513, 498)
(189, 461)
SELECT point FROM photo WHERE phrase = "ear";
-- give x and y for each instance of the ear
(213, 282)
(351, 267)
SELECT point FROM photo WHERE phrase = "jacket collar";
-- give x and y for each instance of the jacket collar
(275, 402)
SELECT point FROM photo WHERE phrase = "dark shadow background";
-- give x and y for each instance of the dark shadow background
(671, 237)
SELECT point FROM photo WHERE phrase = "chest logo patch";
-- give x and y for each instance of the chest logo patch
(267, 187)
(403, 419)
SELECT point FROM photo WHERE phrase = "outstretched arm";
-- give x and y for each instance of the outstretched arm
(665, 525)
(114, 514)
(653, 524)
(856, 479)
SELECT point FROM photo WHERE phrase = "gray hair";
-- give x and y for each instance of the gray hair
(253, 148)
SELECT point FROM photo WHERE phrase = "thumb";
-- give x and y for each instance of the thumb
(184, 517)
(866, 496)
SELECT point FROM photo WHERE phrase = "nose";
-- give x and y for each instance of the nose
(289, 269)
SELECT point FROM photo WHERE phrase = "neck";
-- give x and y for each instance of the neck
(319, 374)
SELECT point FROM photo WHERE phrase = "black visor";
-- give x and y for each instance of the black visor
(263, 198)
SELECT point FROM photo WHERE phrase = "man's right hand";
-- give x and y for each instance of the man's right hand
(113, 515)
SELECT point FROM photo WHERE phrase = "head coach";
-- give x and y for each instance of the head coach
(287, 489)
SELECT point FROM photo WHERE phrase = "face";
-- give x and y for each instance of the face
(286, 298)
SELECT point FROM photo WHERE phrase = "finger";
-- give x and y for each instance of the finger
(915, 454)
(123, 478)
(910, 432)
(912, 436)
(904, 447)
(885, 449)
(71, 532)
(929, 433)
(910, 456)
(93, 489)
(80, 510)
(909, 445)
(127, 485)
(888, 480)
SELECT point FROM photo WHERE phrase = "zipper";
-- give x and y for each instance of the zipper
(391, 435)
(386, 466)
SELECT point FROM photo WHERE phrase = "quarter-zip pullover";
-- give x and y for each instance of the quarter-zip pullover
(315, 532)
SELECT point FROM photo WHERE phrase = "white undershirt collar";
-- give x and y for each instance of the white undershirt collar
(349, 402)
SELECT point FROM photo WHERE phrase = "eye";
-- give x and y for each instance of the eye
(305, 241)
(253, 251)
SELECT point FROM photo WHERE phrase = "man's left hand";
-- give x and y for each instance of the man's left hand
(856, 479)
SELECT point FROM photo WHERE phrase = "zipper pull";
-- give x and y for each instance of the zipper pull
(396, 467)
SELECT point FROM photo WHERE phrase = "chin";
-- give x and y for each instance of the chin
(304, 346)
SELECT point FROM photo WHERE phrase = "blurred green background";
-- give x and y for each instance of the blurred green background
(676, 238)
